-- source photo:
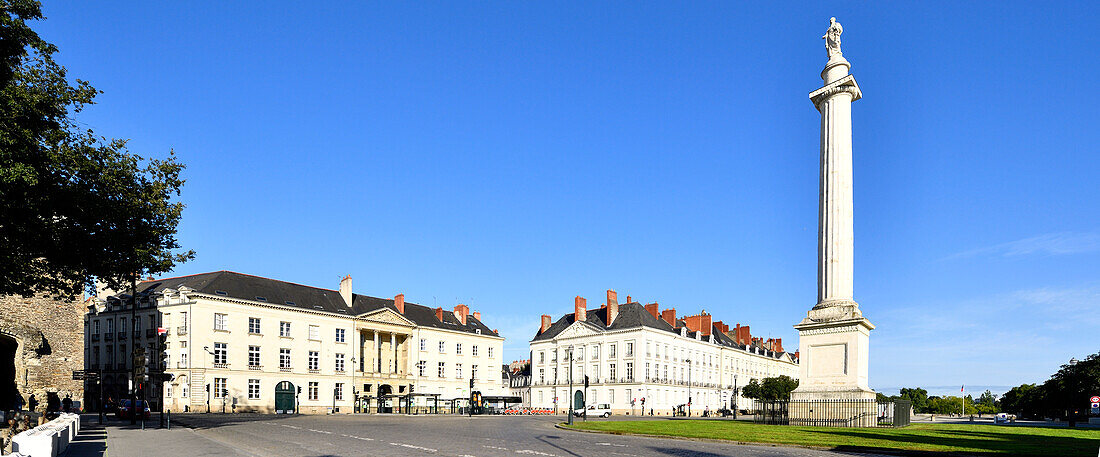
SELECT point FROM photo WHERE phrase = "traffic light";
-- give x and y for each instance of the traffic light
(585, 382)
(162, 353)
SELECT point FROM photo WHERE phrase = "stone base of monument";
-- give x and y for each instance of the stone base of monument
(833, 343)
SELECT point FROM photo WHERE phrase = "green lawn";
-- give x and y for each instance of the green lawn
(965, 438)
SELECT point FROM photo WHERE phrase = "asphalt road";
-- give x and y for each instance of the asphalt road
(362, 435)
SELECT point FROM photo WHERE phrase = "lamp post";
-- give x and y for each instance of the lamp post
(735, 395)
(569, 358)
(689, 385)
(206, 350)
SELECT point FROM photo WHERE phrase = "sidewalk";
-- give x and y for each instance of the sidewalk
(92, 440)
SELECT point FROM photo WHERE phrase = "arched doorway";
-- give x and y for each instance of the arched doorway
(385, 404)
(578, 399)
(284, 398)
(8, 388)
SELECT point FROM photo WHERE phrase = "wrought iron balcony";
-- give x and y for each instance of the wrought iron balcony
(181, 330)
(95, 337)
(121, 335)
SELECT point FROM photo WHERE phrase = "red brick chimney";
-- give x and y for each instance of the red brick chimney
(742, 335)
(476, 314)
(399, 303)
(580, 308)
(721, 327)
(612, 306)
(461, 311)
(629, 300)
(669, 315)
(545, 323)
(652, 308)
(699, 323)
(439, 314)
(796, 355)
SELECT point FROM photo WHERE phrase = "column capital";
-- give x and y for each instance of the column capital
(845, 85)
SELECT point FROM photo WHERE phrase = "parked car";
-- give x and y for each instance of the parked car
(600, 410)
(124, 409)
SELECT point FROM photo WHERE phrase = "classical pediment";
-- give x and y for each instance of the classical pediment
(577, 330)
(386, 316)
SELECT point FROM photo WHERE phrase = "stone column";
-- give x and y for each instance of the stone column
(377, 353)
(393, 347)
(833, 338)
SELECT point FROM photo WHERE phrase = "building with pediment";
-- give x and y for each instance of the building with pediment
(243, 343)
(639, 358)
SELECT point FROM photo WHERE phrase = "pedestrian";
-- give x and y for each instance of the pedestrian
(32, 403)
(67, 403)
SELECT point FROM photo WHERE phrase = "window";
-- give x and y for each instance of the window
(420, 367)
(442, 370)
(95, 327)
(254, 325)
(629, 349)
(629, 371)
(611, 370)
(314, 361)
(110, 326)
(340, 362)
(253, 356)
(595, 352)
(185, 390)
(338, 393)
(253, 389)
(314, 391)
(611, 396)
(458, 348)
(490, 352)
(183, 359)
(595, 372)
(137, 324)
(220, 388)
(473, 350)
(221, 354)
(458, 370)
(314, 332)
(284, 329)
(340, 334)
(284, 358)
(611, 351)
(542, 355)
(473, 371)
(542, 376)
(220, 321)
(423, 344)
(442, 346)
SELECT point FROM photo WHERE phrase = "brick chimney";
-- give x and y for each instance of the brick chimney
(742, 335)
(545, 323)
(652, 309)
(669, 315)
(399, 303)
(439, 314)
(476, 314)
(461, 311)
(580, 308)
(345, 290)
(612, 306)
(629, 300)
(699, 323)
(721, 327)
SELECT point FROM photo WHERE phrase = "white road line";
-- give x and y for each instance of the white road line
(528, 451)
(611, 444)
(495, 447)
(291, 426)
(414, 447)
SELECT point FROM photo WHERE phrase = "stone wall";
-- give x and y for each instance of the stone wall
(49, 337)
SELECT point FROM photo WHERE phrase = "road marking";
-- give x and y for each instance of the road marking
(414, 447)
(494, 447)
(320, 431)
(528, 451)
(291, 426)
(611, 444)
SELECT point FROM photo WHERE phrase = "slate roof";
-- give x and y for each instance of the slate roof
(254, 288)
(632, 315)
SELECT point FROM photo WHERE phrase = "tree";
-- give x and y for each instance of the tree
(778, 388)
(917, 396)
(72, 204)
(752, 390)
(1025, 400)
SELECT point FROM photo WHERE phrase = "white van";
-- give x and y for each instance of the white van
(600, 410)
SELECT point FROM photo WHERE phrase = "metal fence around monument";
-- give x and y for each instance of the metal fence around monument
(833, 413)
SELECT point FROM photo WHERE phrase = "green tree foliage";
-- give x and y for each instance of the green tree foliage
(73, 206)
(770, 389)
(917, 396)
(1065, 394)
(1025, 401)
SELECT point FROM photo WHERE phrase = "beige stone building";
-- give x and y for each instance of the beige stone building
(245, 343)
(631, 353)
(41, 344)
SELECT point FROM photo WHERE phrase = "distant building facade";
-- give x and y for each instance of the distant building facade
(632, 353)
(253, 344)
(517, 381)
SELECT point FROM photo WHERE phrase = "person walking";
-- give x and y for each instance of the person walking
(32, 403)
(67, 403)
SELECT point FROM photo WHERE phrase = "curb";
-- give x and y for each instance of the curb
(899, 452)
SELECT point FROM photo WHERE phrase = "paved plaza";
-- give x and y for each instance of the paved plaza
(484, 436)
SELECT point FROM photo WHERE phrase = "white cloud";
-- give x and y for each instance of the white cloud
(1062, 243)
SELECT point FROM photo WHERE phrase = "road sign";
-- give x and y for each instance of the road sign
(1095, 405)
(161, 330)
(1094, 399)
(78, 375)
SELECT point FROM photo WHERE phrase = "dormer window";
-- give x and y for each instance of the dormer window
(259, 298)
(221, 292)
(289, 302)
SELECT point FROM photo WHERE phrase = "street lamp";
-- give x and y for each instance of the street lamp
(569, 358)
(689, 385)
(207, 350)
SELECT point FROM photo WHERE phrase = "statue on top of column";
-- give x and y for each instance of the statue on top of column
(832, 38)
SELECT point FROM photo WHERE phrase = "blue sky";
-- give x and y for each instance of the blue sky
(512, 155)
